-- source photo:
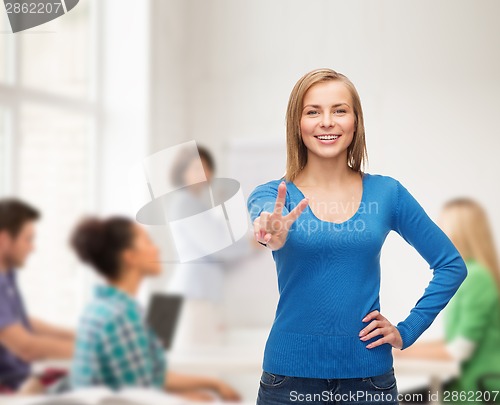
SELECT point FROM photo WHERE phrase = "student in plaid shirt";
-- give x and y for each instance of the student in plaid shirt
(114, 346)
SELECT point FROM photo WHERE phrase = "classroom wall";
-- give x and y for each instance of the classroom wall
(426, 73)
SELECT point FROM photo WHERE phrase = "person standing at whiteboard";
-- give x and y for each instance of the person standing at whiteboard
(329, 339)
(200, 281)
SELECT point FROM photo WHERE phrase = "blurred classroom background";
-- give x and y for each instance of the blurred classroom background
(86, 96)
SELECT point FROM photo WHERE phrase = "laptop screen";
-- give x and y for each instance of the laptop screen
(163, 314)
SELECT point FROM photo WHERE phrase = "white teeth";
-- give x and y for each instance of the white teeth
(328, 137)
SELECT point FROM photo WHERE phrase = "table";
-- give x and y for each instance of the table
(244, 354)
(241, 359)
(438, 371)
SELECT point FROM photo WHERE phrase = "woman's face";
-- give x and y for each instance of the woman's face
(144, 254)
(197, 171)
(445, 221)
(327, 110)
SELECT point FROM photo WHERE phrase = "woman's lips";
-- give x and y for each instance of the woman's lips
(328, 139)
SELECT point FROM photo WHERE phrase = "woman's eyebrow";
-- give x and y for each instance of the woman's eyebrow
(318, 106)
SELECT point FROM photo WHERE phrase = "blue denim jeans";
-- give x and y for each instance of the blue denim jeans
(278, 389)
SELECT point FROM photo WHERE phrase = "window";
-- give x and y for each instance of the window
(48, 149)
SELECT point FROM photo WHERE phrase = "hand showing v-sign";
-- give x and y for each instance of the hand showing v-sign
(272, 228)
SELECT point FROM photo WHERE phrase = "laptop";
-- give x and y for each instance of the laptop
(163, 314)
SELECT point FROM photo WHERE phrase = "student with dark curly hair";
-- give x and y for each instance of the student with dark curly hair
(114, 346)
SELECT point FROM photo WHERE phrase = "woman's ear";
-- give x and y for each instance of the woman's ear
(128, 257)
(5, 240)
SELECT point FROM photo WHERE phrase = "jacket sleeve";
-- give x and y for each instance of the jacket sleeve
(413, 224)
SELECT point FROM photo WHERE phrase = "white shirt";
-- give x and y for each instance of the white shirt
(461, 348)
(202, 278)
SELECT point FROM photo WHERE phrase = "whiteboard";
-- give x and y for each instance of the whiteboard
(254, 161)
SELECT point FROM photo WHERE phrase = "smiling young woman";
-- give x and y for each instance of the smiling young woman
(329, 335)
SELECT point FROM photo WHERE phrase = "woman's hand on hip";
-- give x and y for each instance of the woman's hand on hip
(272, 228)
(380, 325)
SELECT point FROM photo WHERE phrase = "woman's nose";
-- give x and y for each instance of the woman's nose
(327, 121)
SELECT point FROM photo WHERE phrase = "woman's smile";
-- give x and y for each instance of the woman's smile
(328, 139)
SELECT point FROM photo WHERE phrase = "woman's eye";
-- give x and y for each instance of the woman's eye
(340, 111)
(311, 112)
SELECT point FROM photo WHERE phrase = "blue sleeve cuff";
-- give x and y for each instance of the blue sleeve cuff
(411, 328)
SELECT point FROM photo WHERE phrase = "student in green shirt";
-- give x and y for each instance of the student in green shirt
(472, 316)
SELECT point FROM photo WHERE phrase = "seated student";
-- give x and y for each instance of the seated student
(22, 339)
(114, 346)
(472, 317)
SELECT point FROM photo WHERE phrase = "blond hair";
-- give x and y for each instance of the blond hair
(470, 232)
(296, 150)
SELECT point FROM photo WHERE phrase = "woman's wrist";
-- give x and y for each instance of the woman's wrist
(213, 384)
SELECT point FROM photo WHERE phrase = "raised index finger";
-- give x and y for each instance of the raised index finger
(280, 200)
